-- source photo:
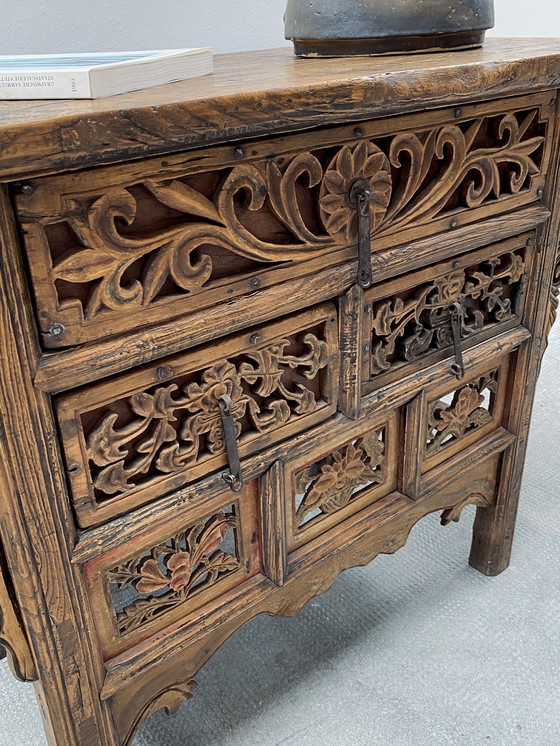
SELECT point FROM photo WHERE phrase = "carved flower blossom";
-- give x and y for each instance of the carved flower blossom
(362, 161)
(457, 416)
(204, 416)
(332, 488)
(180, 565)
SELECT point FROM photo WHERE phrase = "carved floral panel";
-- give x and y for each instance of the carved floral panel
(147, 438)
(461, 412)
(106, 253)
(172, 572)
(329, 484)
(414, 323)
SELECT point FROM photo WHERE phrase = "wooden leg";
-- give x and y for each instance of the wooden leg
(494, 527)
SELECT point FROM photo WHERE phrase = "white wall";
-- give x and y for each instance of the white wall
(33, 26)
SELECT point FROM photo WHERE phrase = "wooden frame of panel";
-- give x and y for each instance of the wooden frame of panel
(67, 369)
(85, 699)
(249, 554)
(411, 282)
(317, 449)
(117, 303)
(71, 408)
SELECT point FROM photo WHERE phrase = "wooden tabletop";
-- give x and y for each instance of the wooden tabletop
(255, 93)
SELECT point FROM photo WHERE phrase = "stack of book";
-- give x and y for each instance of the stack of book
(98, 74)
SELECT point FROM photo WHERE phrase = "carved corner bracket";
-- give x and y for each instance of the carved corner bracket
(453, 514)
(12, 636)
(169, 700)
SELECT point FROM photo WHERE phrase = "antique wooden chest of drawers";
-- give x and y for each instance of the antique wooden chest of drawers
(254, 327)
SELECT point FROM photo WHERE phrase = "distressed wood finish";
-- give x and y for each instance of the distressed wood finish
(206, 412)
(155, 243)
(264, 92)
(13, 638)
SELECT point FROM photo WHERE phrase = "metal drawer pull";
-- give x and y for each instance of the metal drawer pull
(458, 367)
(233, 476)
(359, 197)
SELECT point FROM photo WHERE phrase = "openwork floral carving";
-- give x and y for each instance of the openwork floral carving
(363, 161)
(409, 326)
(156, 240)
(329, 484)
(471, 407)
(168, 574)
(172, 427)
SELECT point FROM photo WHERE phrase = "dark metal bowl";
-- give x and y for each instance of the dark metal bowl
(334, 28)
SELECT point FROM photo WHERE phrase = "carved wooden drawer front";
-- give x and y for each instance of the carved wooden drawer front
(115, 248)
(142, 434)
(408, 322)
(450, 417)
(159, 575)
(327, 483)
(457, 415)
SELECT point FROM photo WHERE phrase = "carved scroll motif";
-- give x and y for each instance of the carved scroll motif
(329, 484)
(174, 426)
(133, 246)
(471, 407)
(454, 514)
(408, 326)
(170, 573)
(169, 700)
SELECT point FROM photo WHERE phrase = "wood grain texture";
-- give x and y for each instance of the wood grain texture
(13, 637)
(36, 525)
(494, 529)
(59, 371)
(267, 91)
(168, 276)
(381, 528)
(110, 249)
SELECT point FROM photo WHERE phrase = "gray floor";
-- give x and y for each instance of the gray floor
(415, 650)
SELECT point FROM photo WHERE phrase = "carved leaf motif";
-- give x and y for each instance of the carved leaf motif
(283, 193)
(403, 329)
(186, 562)
(113, 478)
(166, 430)
(84, 266)
(467, 402)
(153, 578)
(267, 372)
(331, 483)
(374, 448)
(183, 198)
(468, 411)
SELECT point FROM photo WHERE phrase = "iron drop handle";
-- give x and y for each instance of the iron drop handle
(233, 477)
(359, 198)
(458, 367)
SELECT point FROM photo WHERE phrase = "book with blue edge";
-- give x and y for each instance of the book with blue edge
(98, 74)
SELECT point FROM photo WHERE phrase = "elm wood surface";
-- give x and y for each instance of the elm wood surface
(112, 249)
(115, 619)
(263, 92)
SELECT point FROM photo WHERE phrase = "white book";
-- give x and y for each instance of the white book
(99, 73)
